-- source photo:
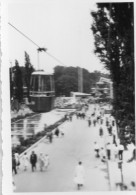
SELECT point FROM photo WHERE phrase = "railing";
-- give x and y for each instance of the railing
(47, 93)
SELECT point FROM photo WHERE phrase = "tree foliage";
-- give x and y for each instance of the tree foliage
(66, 80)
(19, 78)
(18, 82)
(113, 29)
(28, 71)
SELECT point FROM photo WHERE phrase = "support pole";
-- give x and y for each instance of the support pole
(80, 79)
(38, 61)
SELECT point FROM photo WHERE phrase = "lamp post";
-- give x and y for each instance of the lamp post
(121, 172)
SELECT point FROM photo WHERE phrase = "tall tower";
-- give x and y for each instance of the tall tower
(80, 79)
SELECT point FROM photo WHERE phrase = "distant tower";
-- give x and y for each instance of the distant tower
(80, 79)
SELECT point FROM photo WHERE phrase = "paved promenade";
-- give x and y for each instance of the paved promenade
(65, 152)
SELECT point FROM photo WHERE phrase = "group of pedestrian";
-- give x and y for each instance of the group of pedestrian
(43, 161)
(80, 114)
(58, 132)
(111, 150)
(50, 136)
(33, 159)
(68, 117)
(130, 187)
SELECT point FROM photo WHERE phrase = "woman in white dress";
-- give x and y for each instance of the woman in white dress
(13, 185)
(25, 161)
(79, 175)
(46, 161)
(17, 160)
(41, 161)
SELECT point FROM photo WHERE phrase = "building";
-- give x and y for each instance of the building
(103, 88)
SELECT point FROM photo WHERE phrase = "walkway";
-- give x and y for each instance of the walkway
(65, 152)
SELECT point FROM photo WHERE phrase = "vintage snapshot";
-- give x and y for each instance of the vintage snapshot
(68, 96)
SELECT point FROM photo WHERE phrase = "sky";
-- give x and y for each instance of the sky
(61, 26)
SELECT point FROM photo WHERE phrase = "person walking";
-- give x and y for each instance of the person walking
(113, 122)
(115, 152)
(107, 122)
(67, 117)
(79, 175)
(25, 161)
(98, 119)
(41, 161)
(46, 161)
(17, 160)
(108, 148)
(14, 164)
(13, 185)
(101, 131)
(103, 155)
(101, 121)
(96, 149)
(133, 152)
(94, 122)
(132, 186)
(33, 160)
(89, 122)
(50, 136)
(57, 132)
(70, 117)
(109, 129)
(120, 151)
(114, 135)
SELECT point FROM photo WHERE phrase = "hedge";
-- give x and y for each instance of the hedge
(26, 143)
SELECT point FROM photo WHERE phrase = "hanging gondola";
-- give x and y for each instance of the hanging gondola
(42, 92)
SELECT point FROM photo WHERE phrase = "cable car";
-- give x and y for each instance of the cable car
(42, 91)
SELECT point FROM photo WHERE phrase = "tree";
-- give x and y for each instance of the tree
(113, 30)
(11, 83)
(28, 71)
(18, 82)
(65, 84)
(66, 80)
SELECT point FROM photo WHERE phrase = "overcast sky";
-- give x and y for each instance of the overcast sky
(61, 26)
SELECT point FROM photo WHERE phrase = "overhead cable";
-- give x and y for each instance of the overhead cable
(39, 48)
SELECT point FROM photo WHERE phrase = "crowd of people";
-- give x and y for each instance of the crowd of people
(42, 160)
(106, 148)
(107, 130)
(35, 162)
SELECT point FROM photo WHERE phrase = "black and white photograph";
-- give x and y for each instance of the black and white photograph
(68, 96)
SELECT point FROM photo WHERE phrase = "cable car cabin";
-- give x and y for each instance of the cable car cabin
(42, 91)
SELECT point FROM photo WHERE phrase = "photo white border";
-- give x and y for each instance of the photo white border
(6, 124)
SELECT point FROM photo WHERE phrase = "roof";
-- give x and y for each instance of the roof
(107, 80)
(80, 94)
(41, 73)
(99, 83)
